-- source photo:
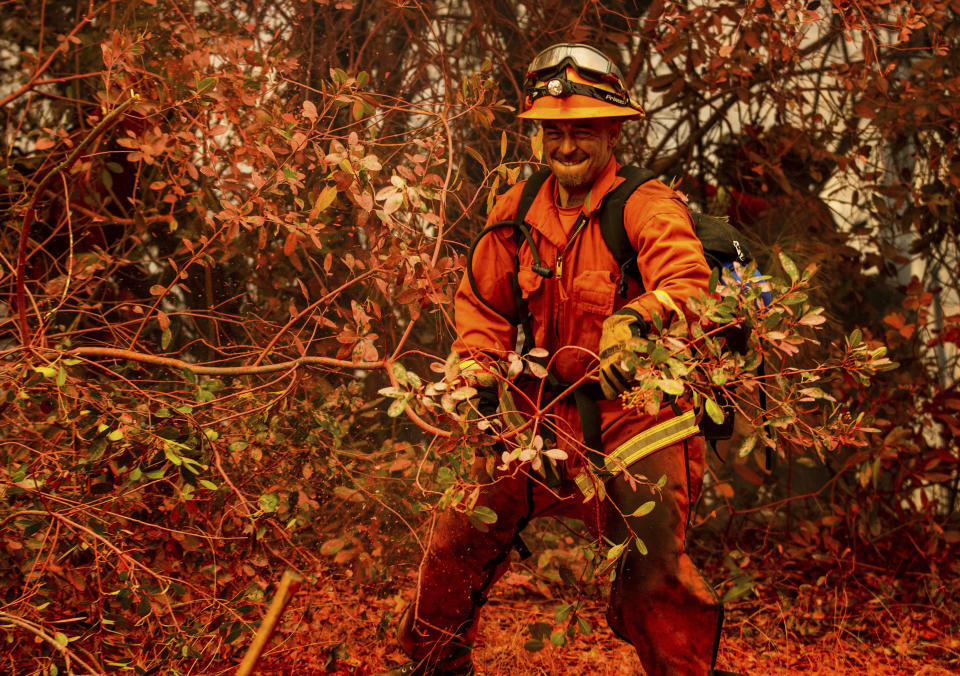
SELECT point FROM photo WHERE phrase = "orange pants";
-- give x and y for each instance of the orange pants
(659, 602)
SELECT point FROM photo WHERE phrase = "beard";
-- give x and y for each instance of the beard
(572, 179)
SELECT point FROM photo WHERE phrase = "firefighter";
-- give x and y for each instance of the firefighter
(566, 283)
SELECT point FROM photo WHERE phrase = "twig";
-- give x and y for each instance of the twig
(32, 82)
(418, 421)
(280, 601)
(68, 654)
(222, 370)
(30, 212)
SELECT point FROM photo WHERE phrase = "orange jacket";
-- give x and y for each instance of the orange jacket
(568, 309)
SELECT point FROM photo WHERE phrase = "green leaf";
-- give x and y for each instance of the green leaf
(31, 528)
(713, 410)
(485, 514)
(585, 627)
(562, 612)
(539, 629)
(269, 502)
(641, 545)
(747, 446)
(740, 589)
(396, 407)
(61, 377)
(813, 318)
(463, 393)
(645, 508)
(615, 551)
(558, 639)
(61, 639)
(209, 485)
(567, 575)
(752, 360)
(533, 645)
(789, 267)
(445, 477)
(238, 445)
(206, 83)
(714, 280)
(671, 387)
(165, 338)
(331, 547)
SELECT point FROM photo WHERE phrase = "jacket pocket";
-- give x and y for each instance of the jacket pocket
(530, 282)
(593, 293)
(592, 298)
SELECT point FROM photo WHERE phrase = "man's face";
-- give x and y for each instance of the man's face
(578, 150)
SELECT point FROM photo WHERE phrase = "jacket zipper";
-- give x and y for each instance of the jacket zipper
(578, 226)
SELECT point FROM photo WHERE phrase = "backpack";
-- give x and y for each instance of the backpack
(723, 246)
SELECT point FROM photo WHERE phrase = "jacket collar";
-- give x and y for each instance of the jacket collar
(543, 215)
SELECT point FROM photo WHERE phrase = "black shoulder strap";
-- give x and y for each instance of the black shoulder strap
(521, 232)
(530, 190)
(612, 227)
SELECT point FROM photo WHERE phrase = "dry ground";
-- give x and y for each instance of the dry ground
(331, 629)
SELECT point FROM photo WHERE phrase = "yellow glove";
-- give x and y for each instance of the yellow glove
(618, 329)
(484, 380)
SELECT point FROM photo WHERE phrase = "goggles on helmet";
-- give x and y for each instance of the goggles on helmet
(588, 61)
(561, 87)
(573, 81)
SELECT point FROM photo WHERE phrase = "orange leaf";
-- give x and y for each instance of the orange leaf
(290, 245)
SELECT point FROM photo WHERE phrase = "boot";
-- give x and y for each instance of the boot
(414, 668)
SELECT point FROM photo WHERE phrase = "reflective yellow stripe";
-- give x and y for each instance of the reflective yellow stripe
(653, 439)
(585, 484)
(640, 446)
